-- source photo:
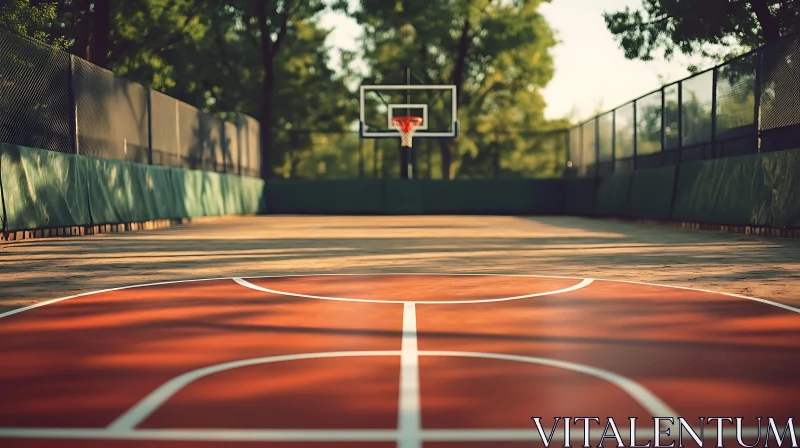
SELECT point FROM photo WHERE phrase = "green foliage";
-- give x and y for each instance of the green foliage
(213, 54)
(32, 18)
(719, 29)
(497, 52)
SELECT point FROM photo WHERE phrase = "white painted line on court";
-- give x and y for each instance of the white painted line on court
(409, 420)
(730, 294)
(646, 399)
(120, 288)
(582, 284)
(231, 435)
(486, 274)
(644, 433)
(409, 411)
(344, 435)
(172, 282)
(138, 413)
(247, 284)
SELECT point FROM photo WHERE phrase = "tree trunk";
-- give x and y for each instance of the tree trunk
(267, 99)
(448, 148)
(82, 24)
(102, 28)
(267, 91)
(769, 24)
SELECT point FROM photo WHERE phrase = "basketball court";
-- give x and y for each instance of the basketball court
(401, 331)
(425, 332)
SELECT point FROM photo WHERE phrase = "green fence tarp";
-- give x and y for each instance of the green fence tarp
(165, 202)
(42, 188)
(782, 184)
(111, 191)
(324, 196)
(579, 196)
(612, 195)
(493, 196)
(232, 194)
(651, 193)
(144, 203)
(187, 186)
(402, 197)
(761, 189)
(722, 191)
(254, 198)
(213, 196)
(2, 198)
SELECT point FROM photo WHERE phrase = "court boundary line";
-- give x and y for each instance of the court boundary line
(409, 410)
(172, 282)
(216, 434)
(140, 411)
(488, 274)
(582, 284)
(330, 435)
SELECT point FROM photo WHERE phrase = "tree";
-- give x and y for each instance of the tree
(697, 27)
(32, 18)
(495, 52)
(220, 56)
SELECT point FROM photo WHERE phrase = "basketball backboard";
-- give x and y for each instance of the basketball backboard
(436, 104)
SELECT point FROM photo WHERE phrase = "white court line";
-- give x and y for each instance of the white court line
(232, 435)
(138, 413)
(643, 434)
(729, 294)
(409, 401)
(171, 282)
(584, 282)
(646, 399)
(409, 420)
(350, 435)
(119, 288)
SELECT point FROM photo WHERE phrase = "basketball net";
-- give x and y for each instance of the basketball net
(406, 126)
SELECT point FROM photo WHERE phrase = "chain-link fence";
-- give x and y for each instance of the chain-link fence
(748, 105)
(52, 100)
(35, 107)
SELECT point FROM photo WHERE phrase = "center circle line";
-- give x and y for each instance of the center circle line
(582, 284)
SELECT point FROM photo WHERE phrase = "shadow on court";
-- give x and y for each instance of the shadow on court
(45, 269)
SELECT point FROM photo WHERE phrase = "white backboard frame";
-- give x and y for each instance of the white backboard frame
(365, 132)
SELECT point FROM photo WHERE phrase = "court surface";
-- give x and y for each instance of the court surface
(381, 353)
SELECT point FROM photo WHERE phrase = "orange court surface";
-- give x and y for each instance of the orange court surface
(409, 332)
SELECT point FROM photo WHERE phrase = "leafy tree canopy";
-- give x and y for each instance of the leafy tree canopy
(497, 53)
(707, 27)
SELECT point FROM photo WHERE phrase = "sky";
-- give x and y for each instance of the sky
(591, 72)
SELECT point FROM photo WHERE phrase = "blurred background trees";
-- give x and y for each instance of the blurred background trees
(269, 59)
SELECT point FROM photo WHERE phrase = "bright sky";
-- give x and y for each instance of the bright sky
(591, 72)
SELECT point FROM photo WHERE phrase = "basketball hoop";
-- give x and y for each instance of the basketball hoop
(406, 125)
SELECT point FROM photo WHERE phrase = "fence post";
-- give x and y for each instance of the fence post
(614, 141)
(567, 151)
(714, 76)
(580, 141)
(360, 158)
(679, 152)
(679, 155)
(635, 137)
(757, 98)
(663, 125)
(73, 107)
(178, 149)
(150, 128)
(597, 146)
